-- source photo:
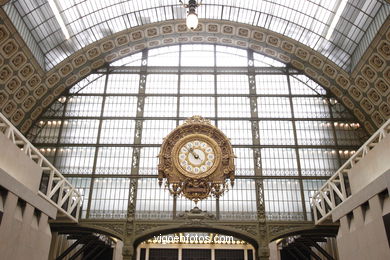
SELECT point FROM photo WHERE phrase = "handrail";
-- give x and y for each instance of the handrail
(336, 190)
(54, 187)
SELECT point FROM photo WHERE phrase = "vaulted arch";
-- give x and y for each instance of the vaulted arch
(27, 91)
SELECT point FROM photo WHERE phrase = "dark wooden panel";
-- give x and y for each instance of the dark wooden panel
(229, 254)
(142, 254)
(196, 254)
(163, 254)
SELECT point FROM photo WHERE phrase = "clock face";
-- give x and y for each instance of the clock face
(196, 156)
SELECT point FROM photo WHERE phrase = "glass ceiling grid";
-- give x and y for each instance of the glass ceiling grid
(296, 127)
(304, 21)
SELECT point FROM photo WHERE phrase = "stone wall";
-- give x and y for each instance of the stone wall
(24, 228)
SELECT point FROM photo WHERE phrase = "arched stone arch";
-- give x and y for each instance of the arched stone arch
(286, 230)
(115, 229)
(174, 228)
(27, 90)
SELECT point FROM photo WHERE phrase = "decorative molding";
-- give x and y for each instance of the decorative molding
(244, 230)
(23, 109)
(242, 227)
(114, 228)
(146, 227)
(282, 229)
(195, 215)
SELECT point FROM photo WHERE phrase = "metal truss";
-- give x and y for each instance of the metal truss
(54, 187)
(197, 70)
(336, 190)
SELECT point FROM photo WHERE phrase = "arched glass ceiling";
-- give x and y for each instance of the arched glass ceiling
(306, 21)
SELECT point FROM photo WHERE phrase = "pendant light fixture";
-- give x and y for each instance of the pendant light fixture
(192, 16)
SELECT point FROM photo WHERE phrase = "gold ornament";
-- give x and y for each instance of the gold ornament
(197, 160)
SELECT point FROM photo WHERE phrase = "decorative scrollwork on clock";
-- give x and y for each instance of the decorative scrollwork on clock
(197, 160)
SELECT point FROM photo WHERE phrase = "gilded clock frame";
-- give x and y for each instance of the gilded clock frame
(196, 187)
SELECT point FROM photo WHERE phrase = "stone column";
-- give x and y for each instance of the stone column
(128, 252)
(263, 252)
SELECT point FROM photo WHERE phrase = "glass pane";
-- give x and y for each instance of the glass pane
(318, 162)
(50, 131)
(158, 106)
(274, 107)
(92, 84)
(231, 57)
(149, 160)
(123, 84)
(302, 85)
(75, 160)
(120, 106)
(233, 107)
(153, 202)
(165, 56)
(197, 84)
(155, 130)
(197, 105)
(348, 133)
(197, 55)
(132, 60)
(109, 198)
(80, 131)
(232, 84)
(184, 204)
(264, 61)
(161, 84)
(244, 161)
(311, 107)
(239, 132)
(114, 160)
(239, 203)
(283, 200)
(84, 106)
(272, 84)
(279, 162)
(117, 132)
(276, 133)
(315, 133)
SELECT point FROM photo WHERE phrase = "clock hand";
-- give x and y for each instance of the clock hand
(196, 156)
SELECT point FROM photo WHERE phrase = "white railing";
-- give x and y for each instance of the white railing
(54, 186)
(336, 189)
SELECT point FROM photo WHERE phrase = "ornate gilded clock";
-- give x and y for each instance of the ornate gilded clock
(197, 160)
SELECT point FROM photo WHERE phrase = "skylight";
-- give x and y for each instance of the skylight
(307, 21)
